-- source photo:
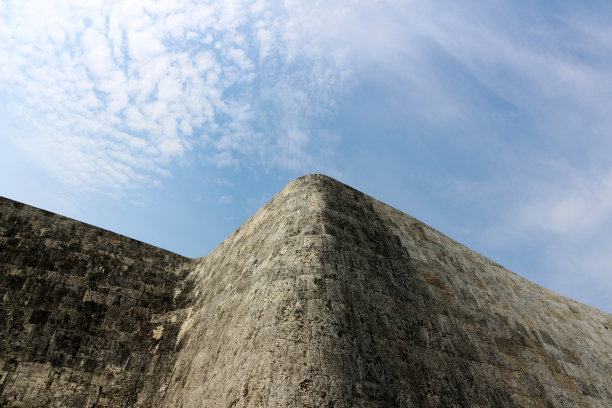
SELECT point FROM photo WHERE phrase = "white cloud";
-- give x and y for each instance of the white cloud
(224, 159)
(144, 44)
(238, 56)
(166, 76)
(571, 208)
(249, 79)
(223, 181)
(225, 199)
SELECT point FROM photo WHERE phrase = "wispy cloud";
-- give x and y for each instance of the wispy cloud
(118, 90)
(579, 205)
(225, 199)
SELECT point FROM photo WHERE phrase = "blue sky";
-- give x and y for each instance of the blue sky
(173, 122)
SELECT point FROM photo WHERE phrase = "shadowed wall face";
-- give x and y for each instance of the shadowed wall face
(86, 313)
(326, 297)
(436, 324)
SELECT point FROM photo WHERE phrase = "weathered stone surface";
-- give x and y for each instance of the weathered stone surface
(326, 297)
(79, 310)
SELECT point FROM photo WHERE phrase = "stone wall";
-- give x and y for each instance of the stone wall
(86, 313)
(326, 297)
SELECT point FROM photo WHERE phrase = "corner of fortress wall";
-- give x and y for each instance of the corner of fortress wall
(324, 297)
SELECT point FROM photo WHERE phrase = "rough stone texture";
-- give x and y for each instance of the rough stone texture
(79, 310)
(326, 297)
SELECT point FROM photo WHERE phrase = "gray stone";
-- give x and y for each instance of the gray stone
(326, 297)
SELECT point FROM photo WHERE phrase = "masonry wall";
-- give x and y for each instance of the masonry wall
(87, 317)
(326, 297)
(329, 298)
(431, 323)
